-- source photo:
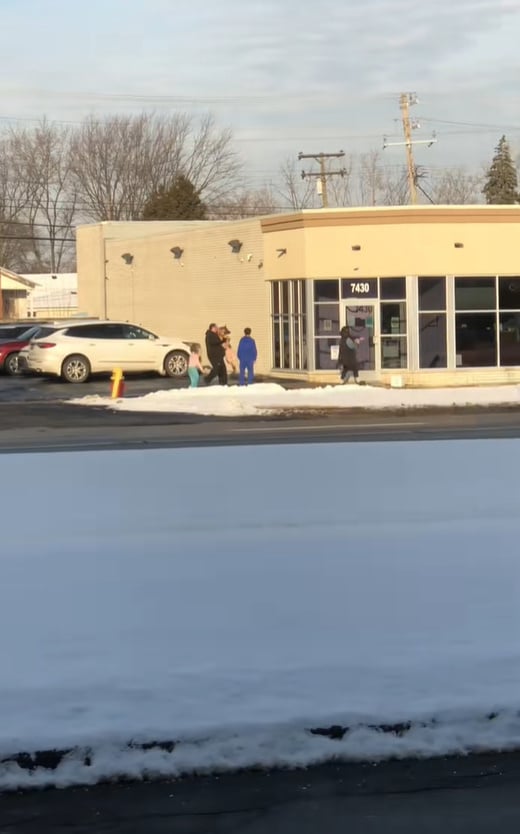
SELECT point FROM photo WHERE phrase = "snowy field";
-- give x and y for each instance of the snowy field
(264, 398)
(232, 599)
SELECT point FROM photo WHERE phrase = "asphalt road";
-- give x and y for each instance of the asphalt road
(473, 795)
(460, 795)
(35, 415)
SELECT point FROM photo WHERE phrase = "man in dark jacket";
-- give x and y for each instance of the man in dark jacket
(215, 350)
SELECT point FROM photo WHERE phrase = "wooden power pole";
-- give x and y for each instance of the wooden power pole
(404, 103)
(323, 175)
(406, 100)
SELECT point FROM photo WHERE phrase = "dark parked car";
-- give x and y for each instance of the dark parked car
(15, 337)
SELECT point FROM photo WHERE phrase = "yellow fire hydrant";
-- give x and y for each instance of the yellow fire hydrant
(118, 383)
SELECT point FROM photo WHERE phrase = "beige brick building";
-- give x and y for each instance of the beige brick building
(433, 291)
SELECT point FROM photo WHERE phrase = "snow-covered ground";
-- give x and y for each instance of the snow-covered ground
(231, 599)
(263, 398)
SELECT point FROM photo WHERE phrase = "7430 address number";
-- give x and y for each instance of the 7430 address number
(360, 287)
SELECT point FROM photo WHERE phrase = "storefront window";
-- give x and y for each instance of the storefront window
(323, 354)
(393, 318)
(326, 320)
(289, 324)
(276, 344)
(394, 352)
(510, 339)
(432, 340)
(475, 294)
(392, 314)
(392, 288)
(326, 290)
(393, 334)
(432, 294)
(275, 298)
(284, 286)
(509, 293)
(296, 300)
(433, 351)
(476, 332)
(476, 341)
(490, 335)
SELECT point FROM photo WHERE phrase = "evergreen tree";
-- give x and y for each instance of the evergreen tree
(501, 186)
(181, 201)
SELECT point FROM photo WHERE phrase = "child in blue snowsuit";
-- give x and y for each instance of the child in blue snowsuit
(247, 355)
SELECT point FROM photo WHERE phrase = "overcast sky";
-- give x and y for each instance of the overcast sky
(285, 75)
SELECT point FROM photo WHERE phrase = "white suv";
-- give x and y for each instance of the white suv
(76, 350)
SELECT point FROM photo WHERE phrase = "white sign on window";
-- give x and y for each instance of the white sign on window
(334, 351)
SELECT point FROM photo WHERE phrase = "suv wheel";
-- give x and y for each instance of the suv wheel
(76, 368)
(176, 363)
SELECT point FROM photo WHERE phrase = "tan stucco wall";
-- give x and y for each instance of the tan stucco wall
(90, 255)
(180, 297)
(131, 229)
(391, 244)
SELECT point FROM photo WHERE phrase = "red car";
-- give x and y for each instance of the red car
(15, 337)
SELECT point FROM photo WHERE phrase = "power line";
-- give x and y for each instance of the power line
(470, 124)
(34, 237)
(33, 225)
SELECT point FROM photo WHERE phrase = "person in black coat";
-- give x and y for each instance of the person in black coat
(216, 351)
(347, 358)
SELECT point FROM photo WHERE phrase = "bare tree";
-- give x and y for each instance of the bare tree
(40, 157)
(339, 188)
(370, 178)
(246, 203)
(456, 186)
(295, 192)
(118, 162)
(15, 195)
(394, 188)
(209, 161)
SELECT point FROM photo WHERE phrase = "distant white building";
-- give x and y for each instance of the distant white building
(54, 296)
(14, 291)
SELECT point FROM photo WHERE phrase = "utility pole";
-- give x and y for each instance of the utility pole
(322, 175)
(407, 100)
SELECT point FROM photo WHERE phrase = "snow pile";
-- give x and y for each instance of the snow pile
(264, 398)
(232, 600)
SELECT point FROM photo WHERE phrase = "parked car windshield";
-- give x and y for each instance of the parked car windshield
(22, 334)
(38, 332)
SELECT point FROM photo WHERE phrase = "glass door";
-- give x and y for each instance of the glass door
(360, 318)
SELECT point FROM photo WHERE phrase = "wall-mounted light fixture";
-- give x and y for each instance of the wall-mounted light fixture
(281, 252)
(458, 245)
(128, 258)
(236, 245)
(356, 247)
(176, 252)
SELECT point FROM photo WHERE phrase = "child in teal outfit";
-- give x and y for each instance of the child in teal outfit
(195, 368)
